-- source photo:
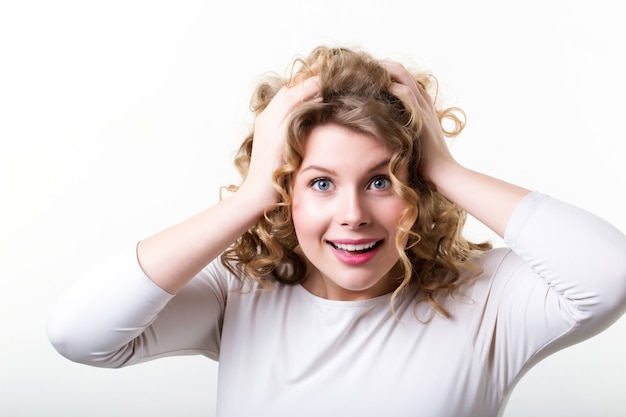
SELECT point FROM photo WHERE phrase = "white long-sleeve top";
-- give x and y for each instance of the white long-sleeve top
(286, 352)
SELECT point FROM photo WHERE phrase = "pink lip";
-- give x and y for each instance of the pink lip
(354, 259)
(353, 241)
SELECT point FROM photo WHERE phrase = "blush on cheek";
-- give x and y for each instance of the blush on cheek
(309, 221)
(298, 217)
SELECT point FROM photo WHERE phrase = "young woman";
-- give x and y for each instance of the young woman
(335, 280)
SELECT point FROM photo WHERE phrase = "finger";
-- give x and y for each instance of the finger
(401, 75)
(299, 93)
(404, 93)
(286, 100)
(310, 88)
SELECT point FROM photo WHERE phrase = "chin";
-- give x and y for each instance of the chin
(356, 289)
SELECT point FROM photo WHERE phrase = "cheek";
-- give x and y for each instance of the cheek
(297, 217)
(395, 212)
(303, 215)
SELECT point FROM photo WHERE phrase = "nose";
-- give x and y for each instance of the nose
(352, 210)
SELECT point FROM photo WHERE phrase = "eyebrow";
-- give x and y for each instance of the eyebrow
(382, 164)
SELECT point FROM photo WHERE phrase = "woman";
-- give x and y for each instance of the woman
(335, 279)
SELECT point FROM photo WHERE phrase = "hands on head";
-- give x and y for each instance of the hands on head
(270, 127)
(270, 131)
(253, 229)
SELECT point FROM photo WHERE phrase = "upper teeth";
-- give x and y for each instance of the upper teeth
(349, 247)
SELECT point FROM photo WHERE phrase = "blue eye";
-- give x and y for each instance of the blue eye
(322, 184)
(380, 183)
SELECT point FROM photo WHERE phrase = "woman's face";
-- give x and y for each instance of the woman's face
(345, 214)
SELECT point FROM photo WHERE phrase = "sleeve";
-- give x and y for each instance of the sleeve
(116, 316)
(563, 281)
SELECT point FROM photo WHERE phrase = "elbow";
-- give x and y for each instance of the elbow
(611, 284)
(615, 289)
(620, 288)
(610, 303)
(67, 341)
(64, 341)
(70, 340)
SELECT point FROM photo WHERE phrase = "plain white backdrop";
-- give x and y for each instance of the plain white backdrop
(119, 118)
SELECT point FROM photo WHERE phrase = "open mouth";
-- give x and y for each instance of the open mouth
(355, 249)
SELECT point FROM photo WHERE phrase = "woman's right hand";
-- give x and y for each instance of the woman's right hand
(270, 131)
(173, 256)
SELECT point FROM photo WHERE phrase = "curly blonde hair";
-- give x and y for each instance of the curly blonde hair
(355, 94)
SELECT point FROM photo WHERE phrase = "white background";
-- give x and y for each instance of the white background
(119, 118)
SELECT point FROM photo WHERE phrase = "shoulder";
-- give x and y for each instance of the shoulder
(497, 268)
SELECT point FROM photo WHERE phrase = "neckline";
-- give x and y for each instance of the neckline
(381, 299)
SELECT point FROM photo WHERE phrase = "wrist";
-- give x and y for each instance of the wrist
(445, 175)
(256, 196)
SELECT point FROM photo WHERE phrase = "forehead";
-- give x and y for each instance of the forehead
(334, 143)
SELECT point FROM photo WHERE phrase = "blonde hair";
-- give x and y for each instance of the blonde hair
(355, 94)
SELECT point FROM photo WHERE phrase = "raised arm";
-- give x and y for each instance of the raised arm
(565, 279)
(490, 200)
(116, 315)
(173, 256)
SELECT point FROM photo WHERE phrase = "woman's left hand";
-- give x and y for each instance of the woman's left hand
(435, 151)
(488, 199)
